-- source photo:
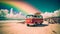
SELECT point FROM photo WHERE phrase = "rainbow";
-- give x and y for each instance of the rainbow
(22, 6)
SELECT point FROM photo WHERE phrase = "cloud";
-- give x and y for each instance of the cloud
(15, 16)
(57, 13)
(47, 14)
(4, 13)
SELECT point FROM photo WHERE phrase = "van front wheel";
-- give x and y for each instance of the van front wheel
(28, 25)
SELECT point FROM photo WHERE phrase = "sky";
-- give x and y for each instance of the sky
(41, 5)
(45, 5)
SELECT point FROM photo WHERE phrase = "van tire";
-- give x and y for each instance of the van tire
(40, 23)
(28, 25)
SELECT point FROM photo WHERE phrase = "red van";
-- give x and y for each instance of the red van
(34, 19)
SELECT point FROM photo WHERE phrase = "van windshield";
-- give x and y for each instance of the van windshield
(38, 16)
(34, 16)
(29, 16)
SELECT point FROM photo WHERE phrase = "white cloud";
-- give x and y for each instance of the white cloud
(47, 14)
(57, 13)
(3, 12)
(11, 15)
(15, 16)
